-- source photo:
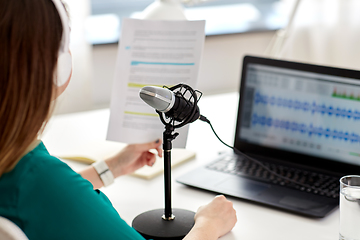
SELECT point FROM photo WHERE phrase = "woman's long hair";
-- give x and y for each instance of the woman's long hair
(30, 36)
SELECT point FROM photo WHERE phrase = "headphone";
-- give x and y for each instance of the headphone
(64, 62)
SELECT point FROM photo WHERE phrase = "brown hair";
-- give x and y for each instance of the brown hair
(30, 36)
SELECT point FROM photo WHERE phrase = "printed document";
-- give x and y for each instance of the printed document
(152, 53)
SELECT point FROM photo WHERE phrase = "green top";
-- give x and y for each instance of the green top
(48, 200)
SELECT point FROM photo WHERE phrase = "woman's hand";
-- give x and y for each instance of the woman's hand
(213, 220)
(133, 157)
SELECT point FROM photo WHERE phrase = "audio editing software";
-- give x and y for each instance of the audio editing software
(305, 112)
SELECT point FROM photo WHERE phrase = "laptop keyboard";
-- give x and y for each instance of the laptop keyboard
(306, 181)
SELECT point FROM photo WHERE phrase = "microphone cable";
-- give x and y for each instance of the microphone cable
(191, 116)
(204, 119)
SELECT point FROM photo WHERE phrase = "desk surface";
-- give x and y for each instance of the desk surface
(132, 196)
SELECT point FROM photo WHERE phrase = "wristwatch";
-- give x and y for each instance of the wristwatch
(104, 172)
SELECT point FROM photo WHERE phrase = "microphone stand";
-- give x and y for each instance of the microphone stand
(167, 146)
(165, 223)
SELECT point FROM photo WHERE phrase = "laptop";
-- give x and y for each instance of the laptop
(299, 126)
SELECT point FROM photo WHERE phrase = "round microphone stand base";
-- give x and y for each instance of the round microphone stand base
(151, 224)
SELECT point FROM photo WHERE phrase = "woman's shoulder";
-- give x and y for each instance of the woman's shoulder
(36, 165)
(46, 188)
(39, 162)
(36, 176)
(40, 171)
(56, 190)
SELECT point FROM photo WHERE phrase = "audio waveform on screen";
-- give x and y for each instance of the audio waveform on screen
(310, 130)
(306, 106)
(344, 95)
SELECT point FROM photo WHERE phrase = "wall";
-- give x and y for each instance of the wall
(326, 32)
(77, 96)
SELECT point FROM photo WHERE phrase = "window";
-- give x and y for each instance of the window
(222, 16)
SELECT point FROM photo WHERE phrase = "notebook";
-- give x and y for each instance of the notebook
(92, 151)
(301, 121)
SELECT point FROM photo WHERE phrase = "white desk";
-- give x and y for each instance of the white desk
(132, 196)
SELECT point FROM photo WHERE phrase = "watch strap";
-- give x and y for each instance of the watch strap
(104, 172)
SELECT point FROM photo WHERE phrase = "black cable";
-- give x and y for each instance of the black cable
(204, 119)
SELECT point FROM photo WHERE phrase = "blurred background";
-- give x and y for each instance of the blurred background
(323, 32)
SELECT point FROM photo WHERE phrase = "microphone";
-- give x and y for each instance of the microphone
(173, 105)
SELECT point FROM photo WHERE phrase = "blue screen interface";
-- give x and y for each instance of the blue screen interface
(304, 112)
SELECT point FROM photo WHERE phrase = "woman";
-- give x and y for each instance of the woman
(38, 192)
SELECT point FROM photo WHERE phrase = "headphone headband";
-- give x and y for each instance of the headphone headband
(64, 62)
(64, 46)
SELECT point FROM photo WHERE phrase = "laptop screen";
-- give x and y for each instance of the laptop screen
(309, 113)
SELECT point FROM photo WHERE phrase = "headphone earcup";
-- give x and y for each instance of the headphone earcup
(64, 68)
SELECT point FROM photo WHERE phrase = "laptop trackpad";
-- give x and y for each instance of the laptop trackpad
(242, 187)
(301, 203)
